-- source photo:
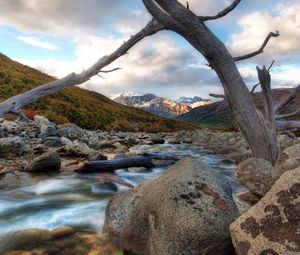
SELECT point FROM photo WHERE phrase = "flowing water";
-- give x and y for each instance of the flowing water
(79, 201)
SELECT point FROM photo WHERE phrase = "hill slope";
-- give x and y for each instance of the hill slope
(218, 114)
(85, 108)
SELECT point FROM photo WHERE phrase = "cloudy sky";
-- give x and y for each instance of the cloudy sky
(62, 36)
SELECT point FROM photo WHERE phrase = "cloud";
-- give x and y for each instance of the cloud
(59, 17)
(34, 41)
(256, 26)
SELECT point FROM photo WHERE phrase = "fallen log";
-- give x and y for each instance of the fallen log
(114, 164)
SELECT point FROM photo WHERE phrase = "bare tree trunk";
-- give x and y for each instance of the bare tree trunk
(176, 17)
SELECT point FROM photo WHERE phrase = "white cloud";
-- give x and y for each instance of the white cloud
(34, 41)
(257, 25)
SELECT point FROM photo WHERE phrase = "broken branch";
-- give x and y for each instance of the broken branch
(260, 50)
(222, 13)
(14, 103)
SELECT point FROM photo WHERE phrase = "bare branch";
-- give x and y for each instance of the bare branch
(14, 103)
(222, 13)
(109, 71)
(216, 95)
(288, 115)
(260, 50)
(289, 98)
(253, 88)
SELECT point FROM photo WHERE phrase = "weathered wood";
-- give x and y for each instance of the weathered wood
(14, 103)
(265, 83)
(172, 15)
(288, 124)
(222, 13)
(114, 164)
(288, 99)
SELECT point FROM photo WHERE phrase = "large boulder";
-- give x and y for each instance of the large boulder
(48, 161)
(256, 174)
(10, 126)
(289, 159)
(185, 211)
(11, 147)
(271, 227)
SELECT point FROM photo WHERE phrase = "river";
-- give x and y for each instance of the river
(76, 200)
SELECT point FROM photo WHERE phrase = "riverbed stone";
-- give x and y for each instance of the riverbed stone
(11, 147)
(41, 120)
(272, 225)
(50, 161)
(256, 174)
(189, 195)
(70, 131)
(10, 126)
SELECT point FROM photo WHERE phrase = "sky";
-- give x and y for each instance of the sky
(63, 36)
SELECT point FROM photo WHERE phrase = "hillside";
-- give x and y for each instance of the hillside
(218, 114)
(85, 108)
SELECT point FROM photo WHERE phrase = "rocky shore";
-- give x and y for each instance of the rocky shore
(189, 209)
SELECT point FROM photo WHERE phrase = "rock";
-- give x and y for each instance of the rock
(41, 120)
(118, 209)
(70, 131)
(272, 225)
(23, 239)
(137, 169)
(96, 156)
(249, 197)
(10, 126)
(174, 141)
(11, 147)
(47, 130)
(77, 149)
(53, 142)
(157, 140)
(61, 232)
(245, 155)
(289, 159)
(187, 210)
(187, 140)
(256, 174)
(40, 242)
(46, 162)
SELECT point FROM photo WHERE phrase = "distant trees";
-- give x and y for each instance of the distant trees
(258, 129)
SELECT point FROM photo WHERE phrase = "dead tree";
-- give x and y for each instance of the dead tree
(171, 15)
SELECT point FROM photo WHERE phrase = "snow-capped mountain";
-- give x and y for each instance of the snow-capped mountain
(193, 102)
(152, 103)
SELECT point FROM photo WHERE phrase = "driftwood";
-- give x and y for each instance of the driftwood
(114, 164)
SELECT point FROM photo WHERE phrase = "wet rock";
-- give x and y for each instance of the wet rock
(50, 161)
(61, 232)
(190, 195)
(272, 225)
(137, 169)
(157, 140)
(174, 141)
(11, 147)
(256, 174)
(187, 140)
(40, 242)
(70, 131)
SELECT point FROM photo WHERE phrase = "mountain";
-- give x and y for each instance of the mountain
(152, 103)
(193, 102)
(85, 108)
(218, 114)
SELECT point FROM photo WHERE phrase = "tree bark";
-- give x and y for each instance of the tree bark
(253, 126)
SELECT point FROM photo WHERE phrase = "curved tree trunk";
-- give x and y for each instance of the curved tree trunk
(252, 124)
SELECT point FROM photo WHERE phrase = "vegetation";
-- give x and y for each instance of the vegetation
(85, 108)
